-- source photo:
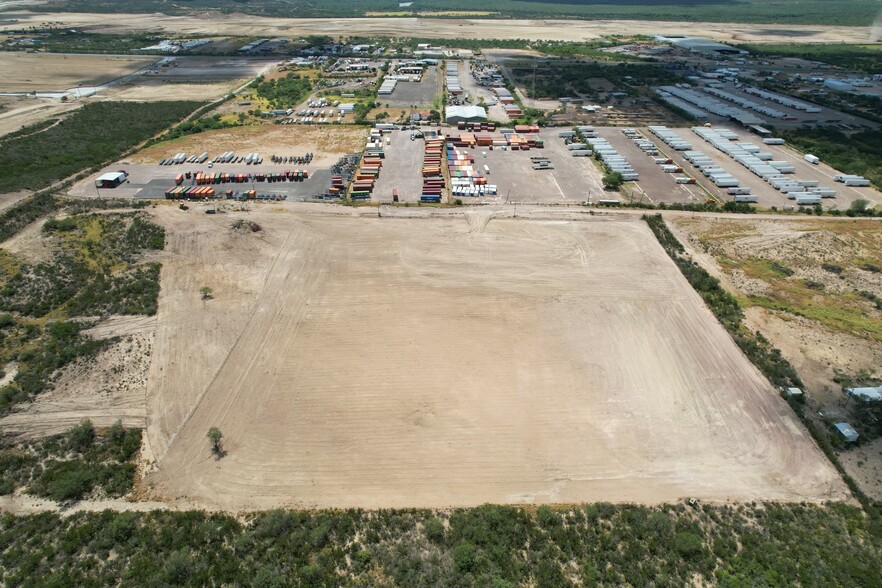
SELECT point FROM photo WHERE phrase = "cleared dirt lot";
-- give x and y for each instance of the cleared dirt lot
(564, 30)
(26, 72)
(452, 361)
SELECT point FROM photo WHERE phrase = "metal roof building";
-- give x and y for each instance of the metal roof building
(699, 45)
(846, 431)
(865, 393)
(456, 114)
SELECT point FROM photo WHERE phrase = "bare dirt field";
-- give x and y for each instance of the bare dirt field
(151, 90)
(356, 361)
(563, 30)
(26, 72)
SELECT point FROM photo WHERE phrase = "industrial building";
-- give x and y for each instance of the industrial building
(457, 114)
(847, 432)
(110, 180)
(700, 45)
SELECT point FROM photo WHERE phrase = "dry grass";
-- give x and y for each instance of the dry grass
(26, 72)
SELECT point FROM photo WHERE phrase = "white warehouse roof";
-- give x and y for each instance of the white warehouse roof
(465, 112)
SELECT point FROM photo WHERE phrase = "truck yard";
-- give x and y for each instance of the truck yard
(548, 172)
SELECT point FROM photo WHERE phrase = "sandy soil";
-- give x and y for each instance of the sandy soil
(109, 387)
(26, 72)
(325, 142)
(28, 111)
(455, 361)
(864, 464)
(155, 91)
(564, 30)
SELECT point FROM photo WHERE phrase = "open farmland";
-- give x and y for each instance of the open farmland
(415, 362)
(33, 72)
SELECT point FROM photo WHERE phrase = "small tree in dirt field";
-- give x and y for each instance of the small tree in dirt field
(206, 292)
(215, 436)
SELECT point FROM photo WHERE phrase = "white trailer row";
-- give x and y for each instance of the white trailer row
(644, 144)
(707, 103)
(670, 138)
(773, 172)
(689, 109)
(782, 100)
(761, 108)
(852, 180)
(467, 189)
(614, 160)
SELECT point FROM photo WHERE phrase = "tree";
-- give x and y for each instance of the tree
(215, 436)
(613, 181)
(859, 205)
(206, 292)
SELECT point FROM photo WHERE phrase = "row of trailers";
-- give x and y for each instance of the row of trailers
(201, 178)
(776, 173)
(207, 192)
(182, 158)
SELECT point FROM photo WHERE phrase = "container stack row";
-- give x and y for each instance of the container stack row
(466, 179)
(433, 180)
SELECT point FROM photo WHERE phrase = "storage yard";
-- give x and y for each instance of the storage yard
(481, 164)
(364, 362)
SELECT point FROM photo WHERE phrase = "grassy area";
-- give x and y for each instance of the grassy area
(557, 80)
(284, 92)
(68, 41)
(865, 58)
(79, 464)
(94, 269)
(493, 546)
(827, 12)
(97, 133)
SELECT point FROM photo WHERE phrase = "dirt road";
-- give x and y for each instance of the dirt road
(452, 361)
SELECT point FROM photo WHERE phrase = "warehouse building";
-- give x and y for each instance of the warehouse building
(457, 114)
(110, 180)
(699, 45)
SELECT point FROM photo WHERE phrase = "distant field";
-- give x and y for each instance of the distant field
(839, 12)
(28, 72)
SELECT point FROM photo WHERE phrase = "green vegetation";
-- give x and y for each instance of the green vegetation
(216, 437)
(553, 80)
(97, 133)
(93, 270)
(23, 213)
(827, 12)
(70, 41)
(598, 544)
(727, 310)
(613, 181)
(865, 58)
(856, 153)
(29, 129)
(283, 92)
(200, 125)
(73, 466)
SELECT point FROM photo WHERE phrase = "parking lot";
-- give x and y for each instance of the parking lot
(414, 94)
(150, 181)
(401, 169)
(654, 184)
(766, 194)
